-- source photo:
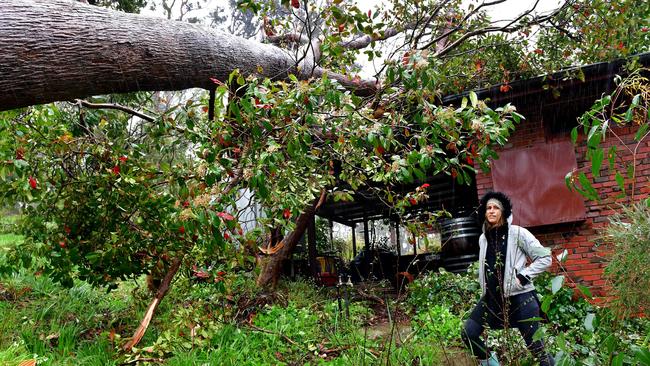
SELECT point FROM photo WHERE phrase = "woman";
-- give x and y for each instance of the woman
(508, 297)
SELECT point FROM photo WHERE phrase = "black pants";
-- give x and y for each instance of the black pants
(520, 308)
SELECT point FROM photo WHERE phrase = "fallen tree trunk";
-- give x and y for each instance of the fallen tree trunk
(271, 266)
(63, 50)
(160, 294)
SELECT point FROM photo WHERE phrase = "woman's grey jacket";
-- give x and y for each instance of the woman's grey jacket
(521, 245)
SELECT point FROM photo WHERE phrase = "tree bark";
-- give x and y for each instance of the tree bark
(268, 277)
(63, 50)
(160, 294)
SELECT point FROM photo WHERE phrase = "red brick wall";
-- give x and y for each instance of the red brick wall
(587, 252)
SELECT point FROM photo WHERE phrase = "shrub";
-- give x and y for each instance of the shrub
(437, 323)
(628, 270)
(454, 291)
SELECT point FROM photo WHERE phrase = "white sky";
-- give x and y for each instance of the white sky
(504, 11)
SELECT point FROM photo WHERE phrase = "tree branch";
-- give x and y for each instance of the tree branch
(122, 108)
(506, 28)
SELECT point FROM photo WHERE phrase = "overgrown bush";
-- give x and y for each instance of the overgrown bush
(457, 292)
(628, 269)
(437, 323)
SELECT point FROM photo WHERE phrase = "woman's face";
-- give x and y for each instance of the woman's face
(493, 214)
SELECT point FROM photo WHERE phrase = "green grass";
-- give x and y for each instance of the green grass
(73, 326)
(198, 324)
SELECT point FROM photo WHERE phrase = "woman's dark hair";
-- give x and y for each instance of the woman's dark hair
(505, 201)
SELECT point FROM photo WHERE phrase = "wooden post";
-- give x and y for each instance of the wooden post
(311, 247)
(354, 241)
(415, 244)
(399, 245)
(366, 236)
(331, 235)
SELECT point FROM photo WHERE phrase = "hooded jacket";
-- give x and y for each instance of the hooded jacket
(521, 245)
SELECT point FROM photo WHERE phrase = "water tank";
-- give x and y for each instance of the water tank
(459, 238)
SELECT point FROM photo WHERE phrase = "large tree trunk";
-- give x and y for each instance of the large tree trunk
(62, 49)
(272, 265)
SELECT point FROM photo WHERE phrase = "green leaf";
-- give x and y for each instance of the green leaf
(425, 162)
(567, 180)
(596, 161)
(643, 129)
(473, 98)
(463, 103)
(629, 114)
(587, 189)
(419, 174)
(611, 156)
(585, 290)
(20, 163)
(234, 108)
(643, 356)
(620, 181)
(589, 322)
(630, 171)
(556, 283)
(546, 303)
(592, 133)
(618, 360)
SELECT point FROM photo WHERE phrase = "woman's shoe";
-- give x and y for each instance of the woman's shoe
(492, 361)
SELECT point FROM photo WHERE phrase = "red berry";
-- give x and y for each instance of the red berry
(286, 213)
(181, 229)
(62, 244)
(32, 182)
(226, 236)
(425, 185)
(295, 3)
(413, 201)
(123, 159)
(116, 170)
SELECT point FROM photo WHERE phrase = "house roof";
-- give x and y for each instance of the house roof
(598, 76)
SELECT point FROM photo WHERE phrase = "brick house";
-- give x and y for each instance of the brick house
(533, 164)
(531, 169)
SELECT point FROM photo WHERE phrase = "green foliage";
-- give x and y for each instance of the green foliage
(627, 270)
(457, 292)
(129, 6)
(437, 323)
(626, 106)
(564, 312)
